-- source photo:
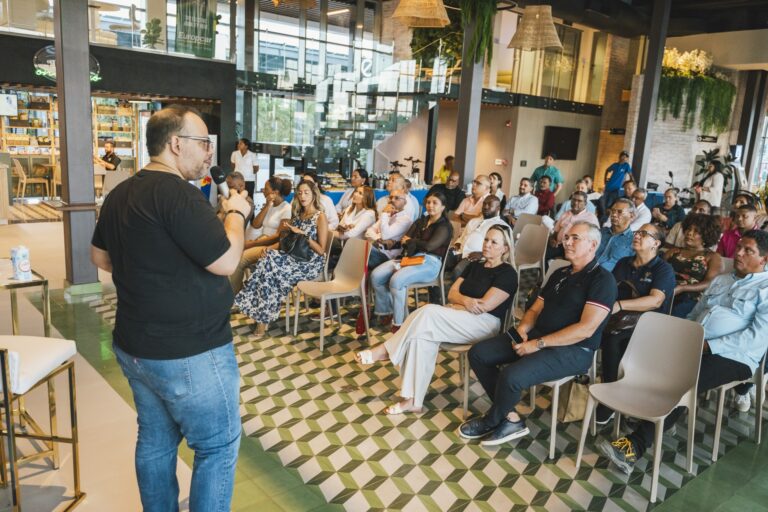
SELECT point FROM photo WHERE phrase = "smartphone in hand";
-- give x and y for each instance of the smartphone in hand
(514, 336)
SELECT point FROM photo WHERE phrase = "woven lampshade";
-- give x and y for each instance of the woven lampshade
(536, 30)
(422, 13)
(307, 4)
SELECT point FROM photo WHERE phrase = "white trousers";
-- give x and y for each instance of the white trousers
(415, 346)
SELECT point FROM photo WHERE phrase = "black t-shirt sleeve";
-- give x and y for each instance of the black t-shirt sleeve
(601, 291)
(194, 227)
(506, 280)
(99, 238)
(664, 279)
(468, 270)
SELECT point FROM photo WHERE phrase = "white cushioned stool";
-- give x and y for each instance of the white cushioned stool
(27, 362)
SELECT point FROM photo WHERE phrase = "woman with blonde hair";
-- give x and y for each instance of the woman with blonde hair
(277, 272)
(359, 215)
(477, 304)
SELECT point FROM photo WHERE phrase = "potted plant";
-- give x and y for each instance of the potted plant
(152, 33)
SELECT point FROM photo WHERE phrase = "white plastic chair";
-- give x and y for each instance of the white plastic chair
(348, 281)
(650, 385)
(523, 220)
(438, 281)
(26, 363)
(555, 264)
(322, 277)
(759, 380)
(529, 251)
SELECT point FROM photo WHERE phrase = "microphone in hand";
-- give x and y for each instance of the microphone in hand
(218, 176)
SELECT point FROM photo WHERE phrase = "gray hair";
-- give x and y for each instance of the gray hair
(628, 202)
(642, 191)
(593, 231)
(580, 194)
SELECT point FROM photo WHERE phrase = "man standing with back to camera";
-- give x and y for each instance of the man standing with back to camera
(172, 337)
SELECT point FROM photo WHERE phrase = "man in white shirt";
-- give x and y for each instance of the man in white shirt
(393, 223)
(472, 206)
(526, 202)
(397, 182)
(470, 244)
(357, 179)
(642, 212)
(244, 161)
(578, 212)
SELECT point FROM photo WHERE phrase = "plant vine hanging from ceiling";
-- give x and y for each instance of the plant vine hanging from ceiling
(481, 13)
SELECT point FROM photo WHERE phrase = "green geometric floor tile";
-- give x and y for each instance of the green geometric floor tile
(321, 414)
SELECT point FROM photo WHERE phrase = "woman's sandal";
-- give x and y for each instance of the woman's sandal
(398, 408)
(364, 357)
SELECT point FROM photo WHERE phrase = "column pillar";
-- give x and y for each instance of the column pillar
(76, 145)
(752, 120)
(468, 120)
(650, 92)
(429, 159)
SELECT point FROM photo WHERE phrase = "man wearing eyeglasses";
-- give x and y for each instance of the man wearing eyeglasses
(170, 256)
(452, 189)
(645, 283)
(472, 206)
(616, 241)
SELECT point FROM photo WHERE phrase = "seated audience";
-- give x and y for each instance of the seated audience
(496, 190)
(358, 178)
(676, 235)
(615, 176)
(560, 333)
(642, 212)
(577, 213)
(469, 245)
(740, 199)
(397, 182)
(695, 264)
(268, 220)
(645, 283)
(735, 338)
(326, 203)
(452, 190)
(616, 241)
(430, 237)
(745, 219)
(525, 202)
(545, 196)
(629, 188)
(669, 213)
(277, 272)
(477, 304)
(359, 215)
(235, 181)
(386, 233)
(472, 205)
(581, 186)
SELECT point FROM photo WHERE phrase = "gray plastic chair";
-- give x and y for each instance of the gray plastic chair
(651, 386)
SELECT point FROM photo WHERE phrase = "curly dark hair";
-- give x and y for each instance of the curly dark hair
(707, 225)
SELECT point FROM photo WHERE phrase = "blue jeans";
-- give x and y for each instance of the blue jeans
(196, 398)
(390, 284)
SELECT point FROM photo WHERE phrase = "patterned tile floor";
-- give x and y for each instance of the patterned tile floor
(321, 415)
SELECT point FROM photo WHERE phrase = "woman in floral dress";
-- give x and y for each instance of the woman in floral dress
(275, 275)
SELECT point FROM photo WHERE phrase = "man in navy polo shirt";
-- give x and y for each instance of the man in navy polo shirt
(653, 280)
(559, 334)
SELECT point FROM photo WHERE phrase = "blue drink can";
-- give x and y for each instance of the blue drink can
(22, 269)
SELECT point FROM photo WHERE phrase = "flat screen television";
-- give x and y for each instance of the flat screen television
(560, 141)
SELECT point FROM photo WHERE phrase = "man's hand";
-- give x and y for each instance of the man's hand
(526, 348)
(388, 209)
(237, 201)
(475, 256)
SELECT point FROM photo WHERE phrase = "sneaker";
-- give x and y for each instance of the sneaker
(475, 428)
(742, 402)
(621, 452)
(604, 415)
(505, 432)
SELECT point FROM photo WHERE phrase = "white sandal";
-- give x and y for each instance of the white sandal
(396, 409)
(364, 357)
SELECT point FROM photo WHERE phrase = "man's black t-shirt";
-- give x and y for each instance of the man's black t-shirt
(161, 233)
(113, 159)
(478, 279)
(656, 275)
(565, 295)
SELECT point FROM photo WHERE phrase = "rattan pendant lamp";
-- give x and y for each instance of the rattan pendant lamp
(422, 13)
(536, 31)
(307, 4)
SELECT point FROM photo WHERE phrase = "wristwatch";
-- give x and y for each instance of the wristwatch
(540, 343)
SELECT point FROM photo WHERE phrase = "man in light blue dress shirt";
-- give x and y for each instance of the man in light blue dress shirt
(616, 241)
(734, 314)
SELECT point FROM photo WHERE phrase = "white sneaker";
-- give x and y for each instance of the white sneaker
(742, 402)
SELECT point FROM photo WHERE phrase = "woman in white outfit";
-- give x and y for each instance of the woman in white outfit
(359, 215)
(477, 304)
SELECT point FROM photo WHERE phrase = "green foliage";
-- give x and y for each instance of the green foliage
(152, 33)
(424, 40)
(680, 95)
(481, 13)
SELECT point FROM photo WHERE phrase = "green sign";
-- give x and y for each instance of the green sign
(44, 61)
(196, 27)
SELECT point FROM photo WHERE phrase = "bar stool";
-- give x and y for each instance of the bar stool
(27, 362)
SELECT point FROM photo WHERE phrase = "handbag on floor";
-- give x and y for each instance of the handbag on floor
(573, 399)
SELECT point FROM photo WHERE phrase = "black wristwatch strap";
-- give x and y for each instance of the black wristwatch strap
(237, 212)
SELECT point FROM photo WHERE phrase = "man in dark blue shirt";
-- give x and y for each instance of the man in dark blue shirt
(556, 338)
(645, 283)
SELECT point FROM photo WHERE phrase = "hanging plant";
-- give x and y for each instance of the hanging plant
(424, 41)
(481, 13)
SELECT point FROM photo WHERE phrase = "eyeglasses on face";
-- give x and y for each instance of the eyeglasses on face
(643, 233)
(205, 140)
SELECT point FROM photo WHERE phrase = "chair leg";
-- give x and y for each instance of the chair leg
(588, 413)
(718, 423)
(3, 475)
(11, 433)
(365, 315)
(616, 424)
(322, 323)
(297, 307)
(79, 494)
(338, 312)
(288, 313)
(553, 424)
(691, 432)
(465, 358)
(52, 422)
(760, 396)
(532, 397)
(656, 459)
